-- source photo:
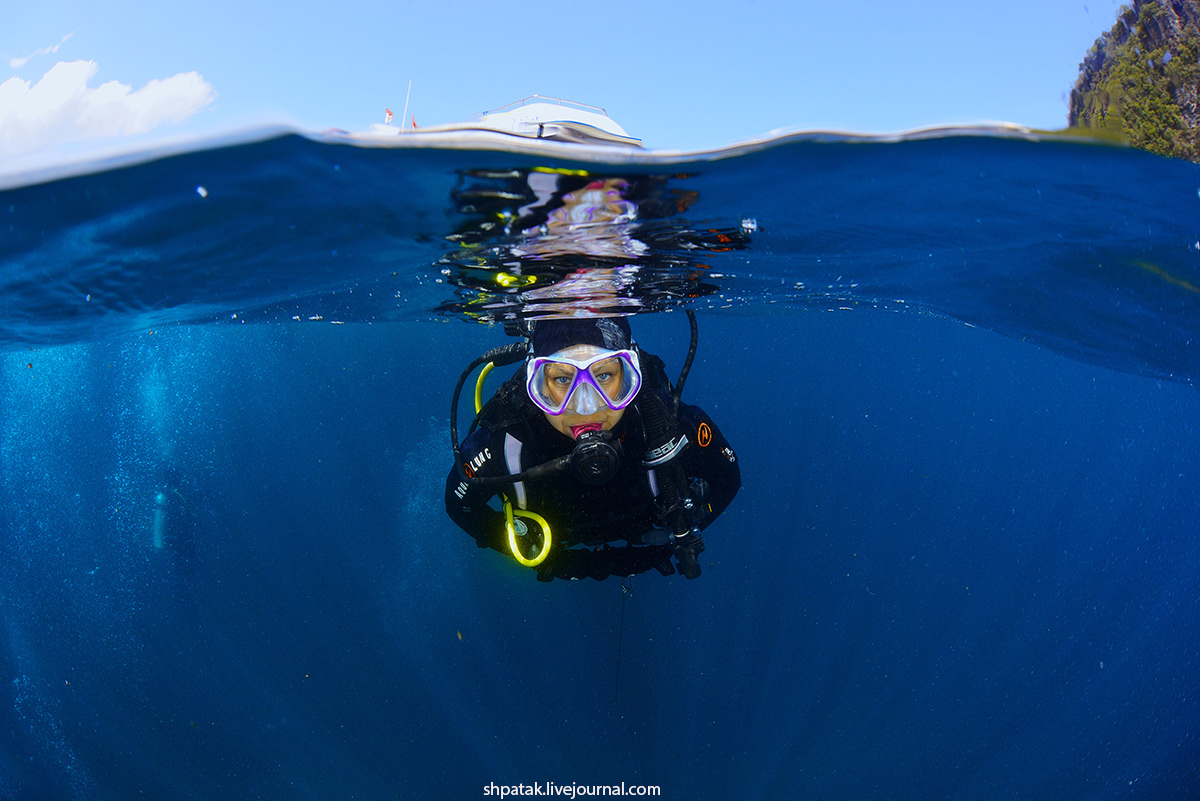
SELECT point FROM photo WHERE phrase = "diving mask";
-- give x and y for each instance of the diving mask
(582, 379)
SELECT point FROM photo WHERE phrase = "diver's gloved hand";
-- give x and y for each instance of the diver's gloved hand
(663, 563)
(632, 561)
(599, 567)
(570, 563)
(577, 563)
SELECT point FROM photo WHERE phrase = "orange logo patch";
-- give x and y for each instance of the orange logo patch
(704, 435)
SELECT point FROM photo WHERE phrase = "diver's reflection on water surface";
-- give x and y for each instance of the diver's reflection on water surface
(548, 242)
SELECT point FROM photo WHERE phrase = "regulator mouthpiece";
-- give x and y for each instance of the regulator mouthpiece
(595, 459)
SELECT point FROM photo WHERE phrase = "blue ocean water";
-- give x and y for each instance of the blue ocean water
(959, 372)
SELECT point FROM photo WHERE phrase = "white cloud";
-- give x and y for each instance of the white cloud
(62, 107)
(17, 63)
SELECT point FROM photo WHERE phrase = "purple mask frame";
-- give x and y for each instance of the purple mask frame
(583, 375)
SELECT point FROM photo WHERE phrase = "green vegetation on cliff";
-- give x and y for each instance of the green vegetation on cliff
(1141, 80)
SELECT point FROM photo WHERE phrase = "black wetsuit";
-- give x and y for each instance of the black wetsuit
(586, 521)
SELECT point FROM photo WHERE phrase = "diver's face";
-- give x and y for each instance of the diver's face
(608, 375)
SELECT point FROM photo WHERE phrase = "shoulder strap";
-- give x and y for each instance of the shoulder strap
(654, 372)
(508, 407)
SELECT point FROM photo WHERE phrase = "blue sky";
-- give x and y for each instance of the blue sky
(680, 75)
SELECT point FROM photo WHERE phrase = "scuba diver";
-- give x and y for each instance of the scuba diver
(589, 446)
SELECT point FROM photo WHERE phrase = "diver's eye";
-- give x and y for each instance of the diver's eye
(606, 371)
(559, 376)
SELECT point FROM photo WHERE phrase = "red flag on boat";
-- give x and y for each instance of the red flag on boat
(387, 116)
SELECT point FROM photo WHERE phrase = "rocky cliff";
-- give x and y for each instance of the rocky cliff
(1141, 80)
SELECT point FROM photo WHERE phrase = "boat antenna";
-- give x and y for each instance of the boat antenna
(407, 94)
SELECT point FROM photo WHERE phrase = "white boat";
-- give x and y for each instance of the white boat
(535, 117)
